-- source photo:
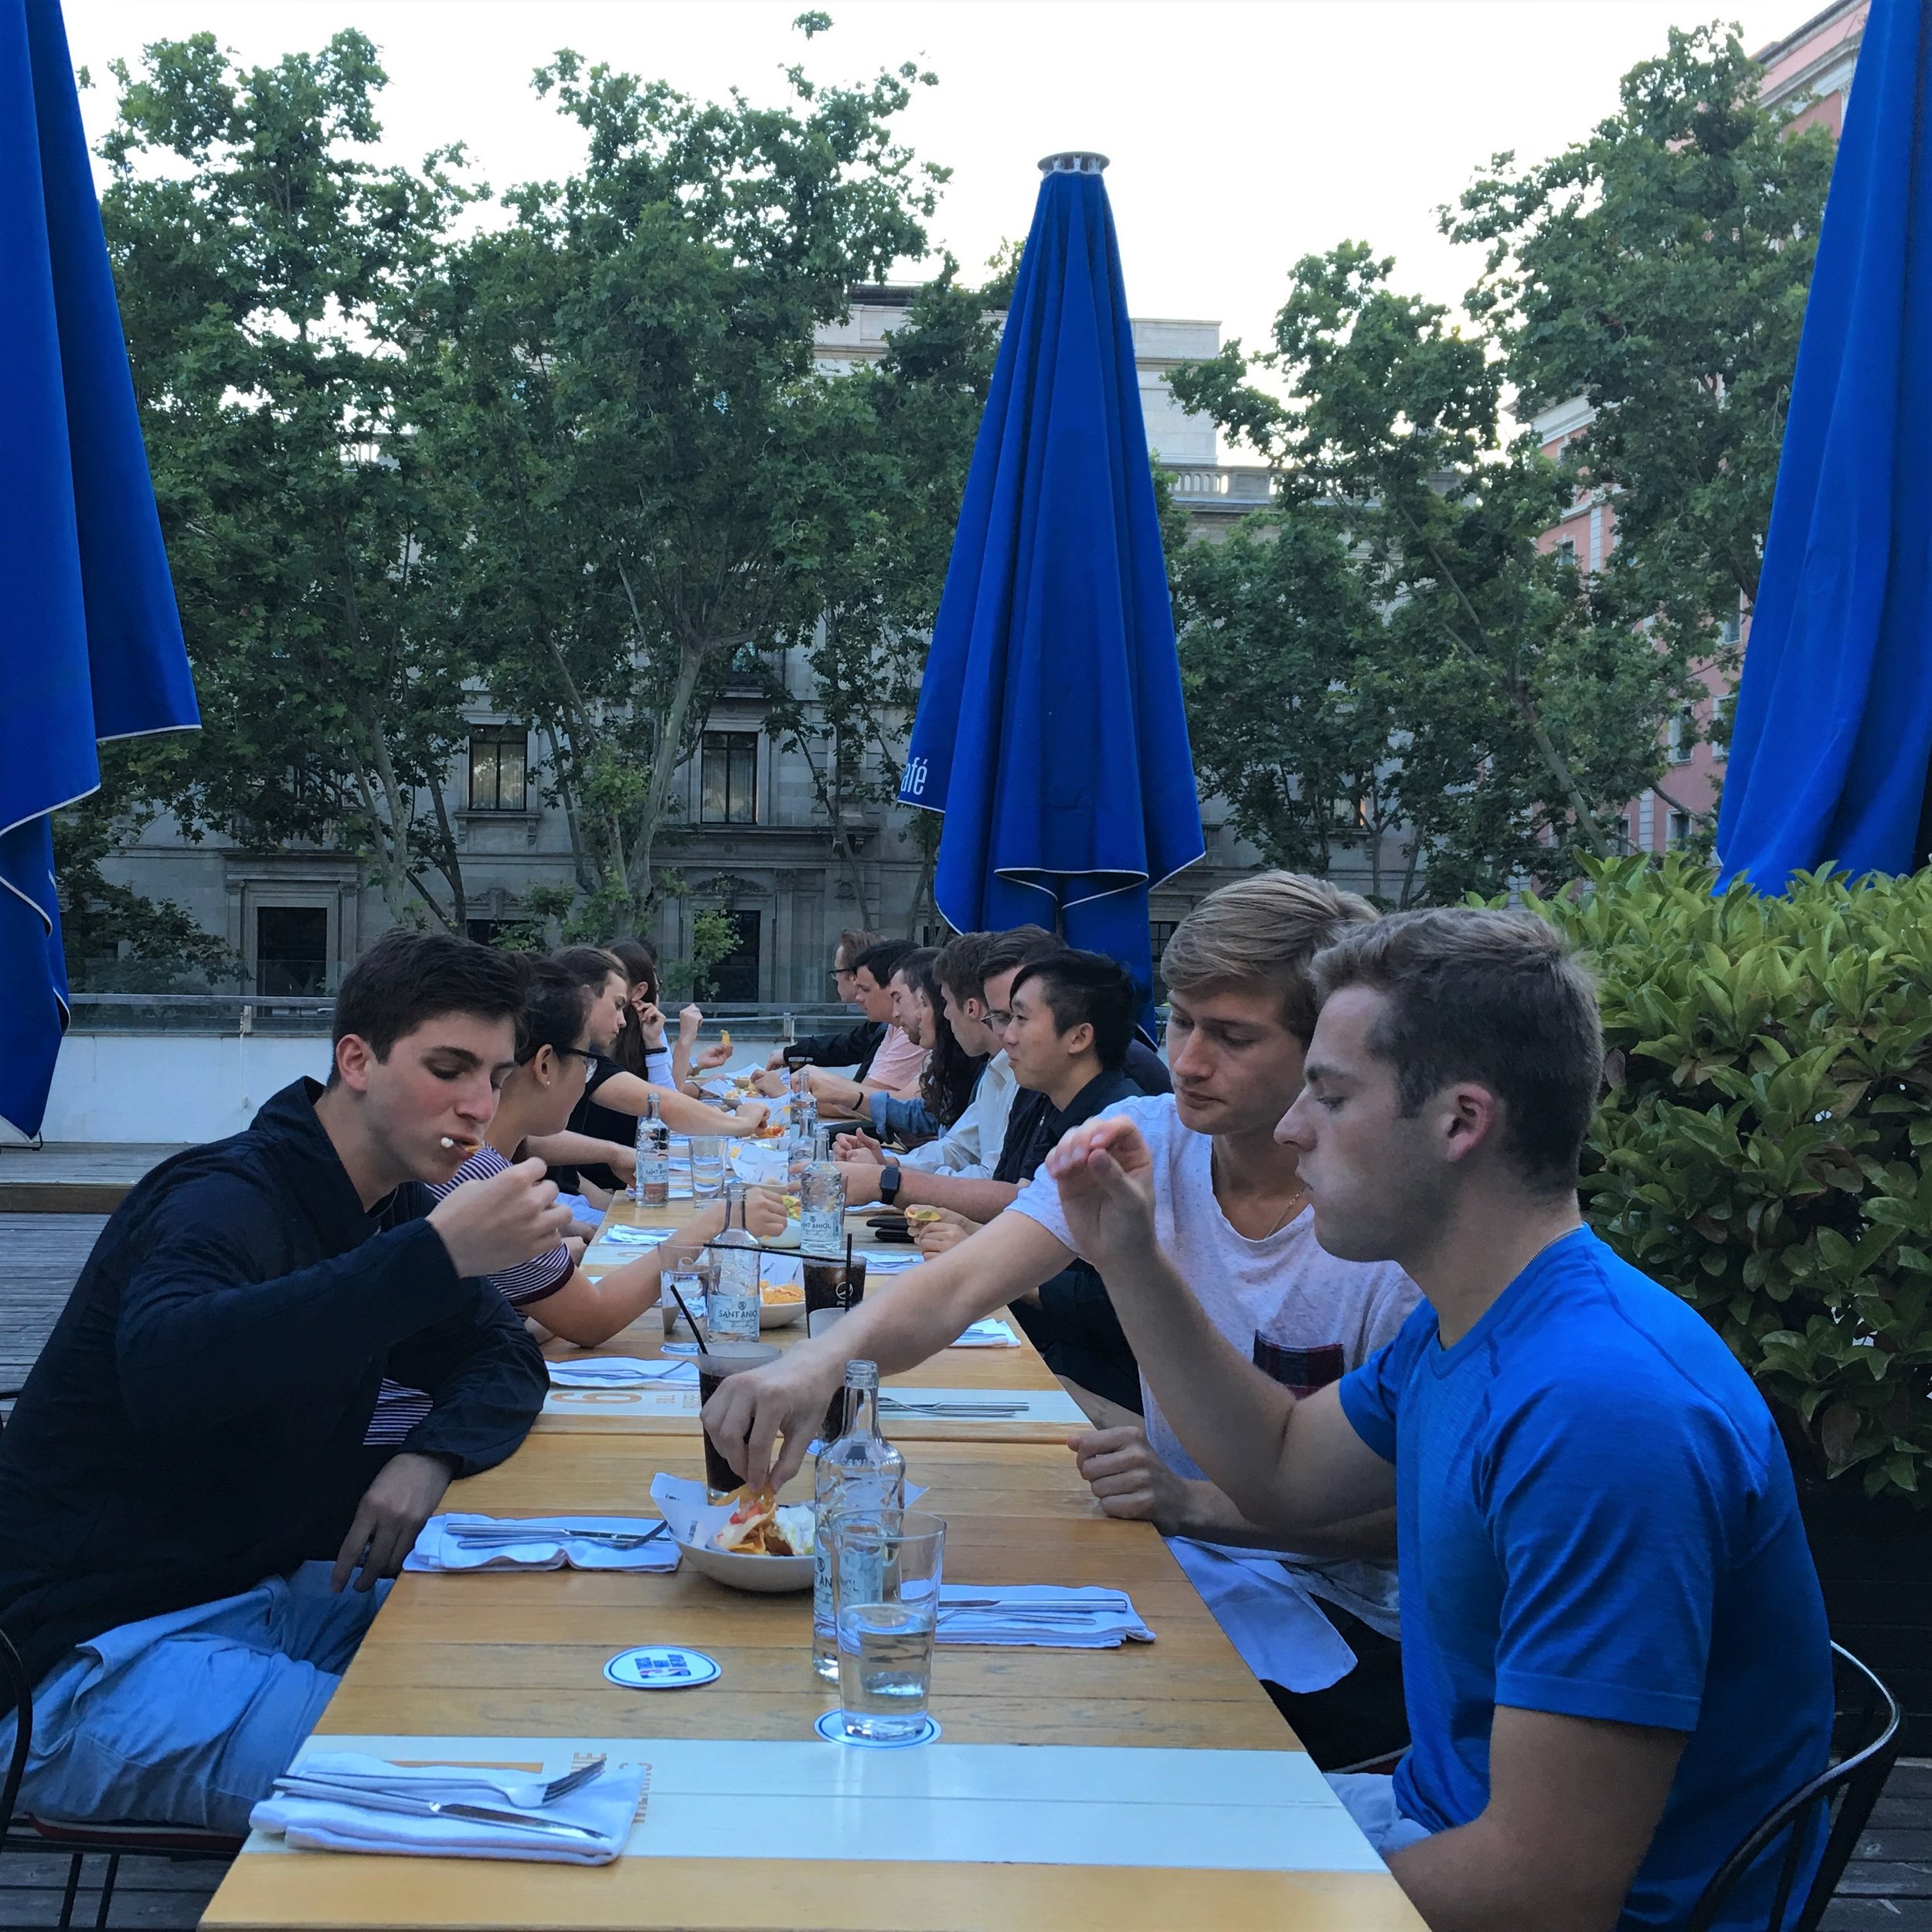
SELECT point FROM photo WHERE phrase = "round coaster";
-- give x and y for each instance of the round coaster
(682, 1348)
(661, 1667)
(832, 1729)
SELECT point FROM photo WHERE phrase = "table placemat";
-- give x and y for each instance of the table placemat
(933, 1415)
(944, 1803)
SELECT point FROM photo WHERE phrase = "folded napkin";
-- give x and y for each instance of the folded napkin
(621, 1234)
(606, 1807)
(1044, 1615)
(617, 1372)
(990, 1333)
(549, 1546)
(892, 1260)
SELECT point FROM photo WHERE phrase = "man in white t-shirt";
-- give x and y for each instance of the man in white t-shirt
(1233, 1218)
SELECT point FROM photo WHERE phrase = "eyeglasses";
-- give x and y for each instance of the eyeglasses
(998, 1018)
(574, 1053)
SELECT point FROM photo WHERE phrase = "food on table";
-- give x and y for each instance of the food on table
(760, 1525)
(782, 1294)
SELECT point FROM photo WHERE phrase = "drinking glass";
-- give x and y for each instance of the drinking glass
(707, 1167)
(886, 1565)
(689, 1284)
(720, 1477)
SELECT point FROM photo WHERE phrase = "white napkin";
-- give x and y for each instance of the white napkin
(1266, 1614)
(617, 1372)
(1112, 1621)
(895, 1260)
(608, 1806)
(621, 1234)
(989, 1333)
(550, 1546)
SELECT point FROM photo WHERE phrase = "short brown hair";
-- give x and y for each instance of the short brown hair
(1492, 997)
(852, 941)
(959, 968)
(1263, 930)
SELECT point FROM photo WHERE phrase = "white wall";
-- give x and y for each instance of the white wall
(171, 1087)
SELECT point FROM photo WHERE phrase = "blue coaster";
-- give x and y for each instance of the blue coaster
(661, 1667)
(831, 1728)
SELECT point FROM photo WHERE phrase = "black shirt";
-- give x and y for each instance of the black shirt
(1035, 1124)
(195, 1421)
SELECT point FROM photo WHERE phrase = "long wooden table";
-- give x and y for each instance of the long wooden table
(510, 1663)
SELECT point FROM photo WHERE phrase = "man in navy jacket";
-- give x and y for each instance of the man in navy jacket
(192, 1436)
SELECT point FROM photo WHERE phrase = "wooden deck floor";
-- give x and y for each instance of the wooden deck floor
(1888, 1883)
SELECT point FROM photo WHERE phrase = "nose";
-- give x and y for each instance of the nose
(1292, 1129)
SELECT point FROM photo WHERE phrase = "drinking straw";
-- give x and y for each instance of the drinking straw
(703, 1347)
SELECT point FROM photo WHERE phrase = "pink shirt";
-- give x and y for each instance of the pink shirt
(897, 1065)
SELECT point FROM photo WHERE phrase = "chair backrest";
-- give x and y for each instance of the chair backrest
(16, 1696)
(1865, 1740)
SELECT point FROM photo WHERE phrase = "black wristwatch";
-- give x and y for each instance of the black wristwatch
(889, 1185)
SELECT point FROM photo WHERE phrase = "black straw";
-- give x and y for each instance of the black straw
(703, 1346)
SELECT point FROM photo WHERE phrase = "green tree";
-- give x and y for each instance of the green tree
(1518, 719)
(1659, 269)
(266, 272)
(629, 401)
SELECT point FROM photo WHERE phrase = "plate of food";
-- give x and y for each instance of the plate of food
(764, 1546)
(780, 1304)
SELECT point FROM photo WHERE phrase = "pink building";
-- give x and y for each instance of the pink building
(1810, 71)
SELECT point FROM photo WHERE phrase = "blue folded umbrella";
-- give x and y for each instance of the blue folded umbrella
(1834, 729)
(91, 643)
(1051, 730)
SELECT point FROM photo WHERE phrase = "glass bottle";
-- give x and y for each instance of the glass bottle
(861, 1471)
(653, 1157)
(821, 1200)
(731, 1309)
(787, 1031)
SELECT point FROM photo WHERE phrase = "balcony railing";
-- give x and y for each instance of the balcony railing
(1242, 485)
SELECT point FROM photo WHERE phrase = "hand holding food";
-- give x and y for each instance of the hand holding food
(761, 1525)
(764, 1213)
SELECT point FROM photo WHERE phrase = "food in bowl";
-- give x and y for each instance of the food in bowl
(782, 1294)
(760, 1525)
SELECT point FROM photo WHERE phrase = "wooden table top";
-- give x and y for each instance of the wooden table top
(521, 1655)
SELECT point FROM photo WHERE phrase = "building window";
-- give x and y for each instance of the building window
(735, 976)
(1683, 737)
(291, 950)
(1565, 551)
(1159, 931)
(499, 767)
(1678, 834)
(495, 932)
(728, 779)
(1732, 629)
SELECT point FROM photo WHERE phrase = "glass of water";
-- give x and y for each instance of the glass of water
(707, 1167)
(886, 1575)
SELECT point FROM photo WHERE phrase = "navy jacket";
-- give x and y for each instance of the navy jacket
(195, 1421)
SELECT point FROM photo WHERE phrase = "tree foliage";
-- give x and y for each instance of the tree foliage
(1659, 269)
(1431, 665)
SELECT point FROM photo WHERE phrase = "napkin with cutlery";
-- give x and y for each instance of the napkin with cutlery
(1045, 1615)
(617, 1372)
(343, 1801)
(989, 1333)
(892, 1261)
(621, 1234)
(463, 1543)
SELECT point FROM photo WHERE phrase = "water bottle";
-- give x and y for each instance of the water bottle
(731, 1312)
(861, 1471)
(821, 1200)
(653, 1157)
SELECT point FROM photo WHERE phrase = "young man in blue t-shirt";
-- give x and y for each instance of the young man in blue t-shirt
(1613, 1644)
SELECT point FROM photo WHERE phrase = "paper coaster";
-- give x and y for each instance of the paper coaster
(681, 1348)
(831, 1728)
(656, 1667)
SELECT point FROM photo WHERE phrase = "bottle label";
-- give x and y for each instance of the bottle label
(822, 1230)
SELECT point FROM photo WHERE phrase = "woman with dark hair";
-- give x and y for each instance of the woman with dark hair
(640, 1048)
(946, 1082)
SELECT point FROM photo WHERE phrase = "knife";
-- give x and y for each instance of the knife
(364, 1800)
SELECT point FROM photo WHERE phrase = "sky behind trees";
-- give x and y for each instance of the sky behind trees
(1244, 133)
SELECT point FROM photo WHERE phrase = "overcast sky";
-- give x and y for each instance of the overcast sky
(1243, 133)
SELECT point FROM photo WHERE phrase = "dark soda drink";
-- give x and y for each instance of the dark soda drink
(713, 1369)
(830, 1289)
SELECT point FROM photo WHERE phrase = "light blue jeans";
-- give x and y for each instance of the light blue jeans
(187, 1718)
(1370, 1797)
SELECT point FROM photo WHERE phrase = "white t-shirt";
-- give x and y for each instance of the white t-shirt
(969, 1149)
(1299, 1314)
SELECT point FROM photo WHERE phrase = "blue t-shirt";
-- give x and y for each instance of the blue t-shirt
(1597, 1518)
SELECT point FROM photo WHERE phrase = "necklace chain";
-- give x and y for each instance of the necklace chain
(1297, 1201)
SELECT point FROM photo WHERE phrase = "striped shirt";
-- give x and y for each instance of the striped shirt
(399, 1408)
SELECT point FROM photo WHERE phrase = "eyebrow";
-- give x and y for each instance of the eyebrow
(459, 1053)
(1315, 1072)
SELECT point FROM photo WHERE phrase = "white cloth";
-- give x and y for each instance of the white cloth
(617, 1372)
(550, 1545)
(608, 1807)
(1096, 1619)
(1369, 1799)
(969, 1149)
(989, 1332)
(1283, 1302)
(1266, 1614)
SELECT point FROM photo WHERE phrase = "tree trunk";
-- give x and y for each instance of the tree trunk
(691, 658)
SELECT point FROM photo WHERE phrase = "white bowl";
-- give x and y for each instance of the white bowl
(789, 1239)
(765, 1576)
(780, 1314)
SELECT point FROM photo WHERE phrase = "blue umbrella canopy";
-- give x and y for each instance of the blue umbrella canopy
(90, 645)
(1051, 730)
(1834, 729)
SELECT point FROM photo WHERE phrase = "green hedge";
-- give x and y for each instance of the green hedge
(1761, 1144)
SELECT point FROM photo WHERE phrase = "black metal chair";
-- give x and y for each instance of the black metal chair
(81, 1840)
(1866, 1741)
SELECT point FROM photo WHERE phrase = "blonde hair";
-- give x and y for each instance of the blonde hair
(1263, 931)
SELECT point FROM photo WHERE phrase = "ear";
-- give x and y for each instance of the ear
(1470, 1117)
(543, 1066)
(1078, 1038)
(355, 1060)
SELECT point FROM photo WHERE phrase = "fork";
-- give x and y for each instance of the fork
(479, 1539)
(557, 1787)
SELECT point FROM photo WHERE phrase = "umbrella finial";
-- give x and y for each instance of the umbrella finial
(1075, 161)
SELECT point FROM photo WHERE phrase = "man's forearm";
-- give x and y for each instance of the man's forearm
(977, 1200)
(1211, 1515)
